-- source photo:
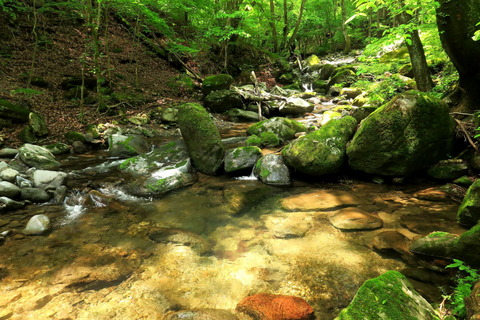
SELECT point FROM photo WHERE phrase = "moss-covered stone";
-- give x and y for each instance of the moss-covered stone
(242, 159)
(12, 111)
(73, 136)
(448, 169)
(467, 246)
(389, 296)
(202, 138)
(323, 151)
(469, 211)
(38, 124)
(313, 62)
(27, 135)
(343, 76)
(269, 139)
(436, 244)
(408, 134)
(217, 82)
(284, 128)
(253, 140)
(58, 148)
(464, 181)
(126, 146)
(271, 169)
(222, 100)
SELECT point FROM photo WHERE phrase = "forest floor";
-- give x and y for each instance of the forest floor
(61, 53)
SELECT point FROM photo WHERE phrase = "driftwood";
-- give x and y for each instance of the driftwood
(467, 135)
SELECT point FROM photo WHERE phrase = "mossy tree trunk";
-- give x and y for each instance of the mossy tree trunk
(456, 21)
(419, 62)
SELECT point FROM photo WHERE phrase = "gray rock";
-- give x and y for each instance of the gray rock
(9, 204)
(38, 157)
(126, 146)
(271, 170)
(8, 174)
(60, 194)
(48, 180)
(241, 159)
(58, 148)
(8, 189)
(37, 224)
(296, 106)
(23, 182)
(239, 115)
(8, 153)
(180, 237)
(38, 124)
(79, 147)
(223, 100)
(35, 195)
(388, 296)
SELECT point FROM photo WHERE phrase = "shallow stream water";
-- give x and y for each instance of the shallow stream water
(111, 256)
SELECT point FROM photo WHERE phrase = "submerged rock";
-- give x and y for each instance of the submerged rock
(202, 138)
(469, 211)
(271, 169)
(321, 200)
(38, 157)
(408, 134)
(284, 128)
(388, 296)
(268, 306)
(180, 237)
(37, 224)
(201, 314)
(355, 219)
(242, 159)
(323, 151)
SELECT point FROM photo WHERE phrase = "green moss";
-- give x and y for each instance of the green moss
(269, 139)
(128, 162)
(253, 140)
(469, 211)
(284, 128)
(158, 186)
(73, 136)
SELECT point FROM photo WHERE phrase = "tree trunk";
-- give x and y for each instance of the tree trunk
(297, 25)
(272, 26)
(348, 41)
(456, 21)
(419, 63)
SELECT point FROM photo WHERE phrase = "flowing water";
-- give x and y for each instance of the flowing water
(113, 256)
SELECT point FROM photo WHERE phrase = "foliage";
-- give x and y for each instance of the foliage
(464, 286)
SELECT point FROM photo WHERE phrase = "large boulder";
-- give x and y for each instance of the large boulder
(388, 296)
(48, 180)
(296, 106)
(469, 211)
(284, 128)
(14, 112)
(223, 100)
(202, 138)
(217, 82)
(322, 151)
(271, 170)
(123, 146)
(38, 157)
(408, 134)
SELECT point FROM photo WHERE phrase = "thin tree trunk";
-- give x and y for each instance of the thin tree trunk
(348, 41)
(272, 26)
(297, 24)
(419, 63)
(285, 23)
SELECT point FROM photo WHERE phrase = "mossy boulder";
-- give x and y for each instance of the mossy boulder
(271, 170)
(222, 100)
(242, 159)
(313, 62)
(406, 135)
(326, 71)
(58, 148)
(322, 151)
(38, 157)
(72, 136)
(436, 244)
(12, 111)
(284, 128)
(388, 296)
(253, 140)
(469, 211)
(216, 82)
(124, 146)
(27, 135)
(202, 138)
(239, 115)
(38, 124)
(344, 76)
(296, 106)
(269, 139)
(448, 169)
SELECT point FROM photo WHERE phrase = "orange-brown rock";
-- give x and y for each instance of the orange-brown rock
(266, 306)
(322, 200)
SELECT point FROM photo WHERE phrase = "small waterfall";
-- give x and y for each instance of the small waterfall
(307, 87)
(251, 177)
(75, 206)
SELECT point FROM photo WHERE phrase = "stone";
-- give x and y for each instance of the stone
(326, 71)
(79, 147)
(37, 224)
(59, 194)
(38, 157)
(392, 241)
(342, 76)
(404, 136)
(48, 180)
(296, 106)
(180, 237)
(269, 139)
(9, 110)
(200, 314)
(313, 62)
(271, 170)
(27, 135)
(140, 119)
(266, 306)
(202, 138)
(9, 204)
(323, 151)
(242, 159)
(73, 136)
(223, 100)
(320, 200)
(123, 146)
(448, 169)
(468, 213)
(284, 128)
(432, 194)
(350, 93)
(23, 182)
(8, 152)
(388, 296)
(169, 115)
(472, 303)
(216, 82)
(329, 115)
(239, 115)
(38, 124)
(8, 189)
(35, 195)
(435, 244)
(355, 219)
(9, 174)
(58, 148)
